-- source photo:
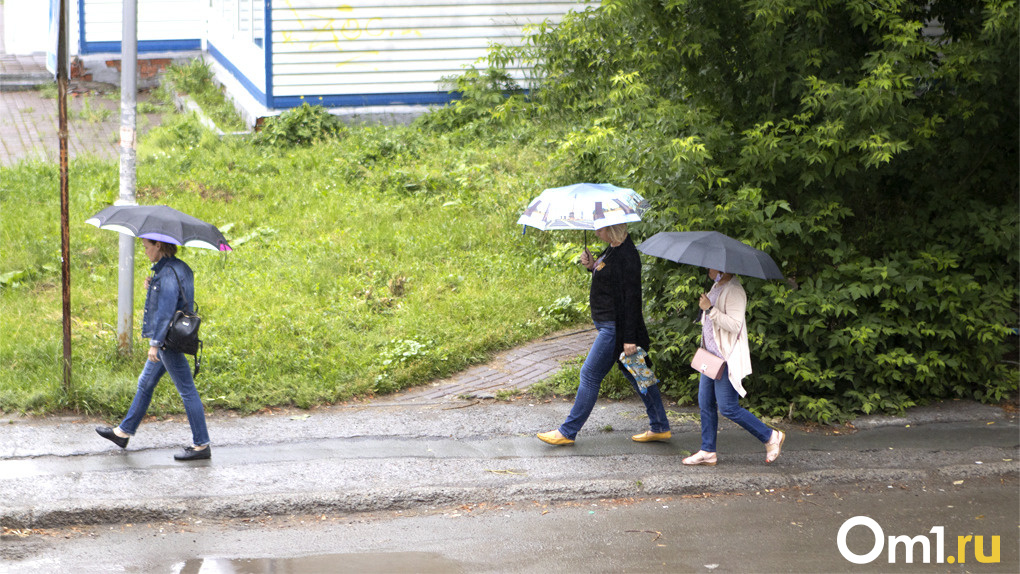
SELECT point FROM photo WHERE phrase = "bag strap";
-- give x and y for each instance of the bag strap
(180, 287)
(727, 357)
(198, 359)
(194, 309)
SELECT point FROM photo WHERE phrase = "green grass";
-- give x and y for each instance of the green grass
(564, 383)
(48, 90)
(196, 79)
(91, 113)
(361, 265)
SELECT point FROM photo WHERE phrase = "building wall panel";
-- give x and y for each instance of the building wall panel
(157, 20)
(322, 48)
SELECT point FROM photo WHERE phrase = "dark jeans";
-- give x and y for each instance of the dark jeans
(180, 372)
(719, 394)
(596, 366)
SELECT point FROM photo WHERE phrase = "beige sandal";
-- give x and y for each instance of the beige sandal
(774, 446)
(700, 458)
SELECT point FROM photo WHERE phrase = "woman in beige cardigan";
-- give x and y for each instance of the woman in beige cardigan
(724, 334)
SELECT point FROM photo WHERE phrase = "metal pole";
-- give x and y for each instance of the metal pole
(65, 235)
(128, 106)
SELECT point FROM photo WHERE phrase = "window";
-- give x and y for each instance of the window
(246, 19)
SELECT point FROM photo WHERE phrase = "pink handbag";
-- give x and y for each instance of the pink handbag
(707, 364)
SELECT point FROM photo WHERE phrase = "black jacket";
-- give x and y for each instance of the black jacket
(615, 294)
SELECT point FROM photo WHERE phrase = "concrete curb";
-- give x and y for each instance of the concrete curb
(24, 82)
(53, 515)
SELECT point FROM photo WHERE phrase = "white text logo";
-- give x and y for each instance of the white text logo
(908, 544)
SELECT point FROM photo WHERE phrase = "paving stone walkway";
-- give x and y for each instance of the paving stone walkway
(28, 116)
(515, 369)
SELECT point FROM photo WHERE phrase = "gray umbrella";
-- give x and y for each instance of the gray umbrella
(712, 250)
(160, 223)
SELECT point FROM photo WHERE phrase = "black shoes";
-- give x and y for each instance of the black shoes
(190, 453)
(108, 434)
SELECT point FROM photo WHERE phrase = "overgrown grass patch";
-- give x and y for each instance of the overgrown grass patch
(362, 265)
(195, 78)
(564, 383)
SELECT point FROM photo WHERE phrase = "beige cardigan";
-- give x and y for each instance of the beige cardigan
(728, 316)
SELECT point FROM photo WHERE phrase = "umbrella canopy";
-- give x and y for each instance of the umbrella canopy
(584, 206)
(712, 250)
(160, 223)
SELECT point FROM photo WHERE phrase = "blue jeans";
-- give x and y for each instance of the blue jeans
(596, 366)
(180, 372)
(720, 393)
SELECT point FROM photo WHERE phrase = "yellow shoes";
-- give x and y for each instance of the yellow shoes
(554, 437)
(649, 436)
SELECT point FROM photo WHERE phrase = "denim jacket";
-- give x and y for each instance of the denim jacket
(165, 297)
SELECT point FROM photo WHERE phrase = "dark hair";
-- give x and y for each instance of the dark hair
(165, 249)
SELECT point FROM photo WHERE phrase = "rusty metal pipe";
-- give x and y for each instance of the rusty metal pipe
(65, 233)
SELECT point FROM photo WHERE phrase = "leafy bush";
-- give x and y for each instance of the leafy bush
(482, 95)
(872, 153)
(564, 311)
(300, 126)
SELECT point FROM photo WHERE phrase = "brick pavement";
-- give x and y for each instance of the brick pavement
(29, 127)
(29, 122)
(516, 368)
(33, 65)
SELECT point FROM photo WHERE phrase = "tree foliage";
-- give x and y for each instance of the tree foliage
(870, 146)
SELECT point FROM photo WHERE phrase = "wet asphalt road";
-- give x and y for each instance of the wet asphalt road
(781, 530)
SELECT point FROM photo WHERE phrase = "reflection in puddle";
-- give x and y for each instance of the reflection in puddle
(425, 562)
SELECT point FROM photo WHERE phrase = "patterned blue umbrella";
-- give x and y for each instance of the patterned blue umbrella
(584, 206)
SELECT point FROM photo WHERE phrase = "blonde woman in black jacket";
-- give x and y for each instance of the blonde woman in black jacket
(615, 299)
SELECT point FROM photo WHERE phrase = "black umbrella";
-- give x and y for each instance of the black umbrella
(712, 250)
(160, 223)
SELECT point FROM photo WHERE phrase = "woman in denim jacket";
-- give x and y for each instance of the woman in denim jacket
(169, 289)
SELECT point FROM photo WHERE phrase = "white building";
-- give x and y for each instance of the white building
(353, 56)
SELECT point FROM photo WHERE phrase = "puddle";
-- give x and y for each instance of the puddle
(424, 562)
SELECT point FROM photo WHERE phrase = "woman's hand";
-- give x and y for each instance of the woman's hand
(704, 303)
(147, 279)
(629, 349)
(154, 354)
(586, 259)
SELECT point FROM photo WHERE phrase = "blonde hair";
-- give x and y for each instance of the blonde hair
(616, 233)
